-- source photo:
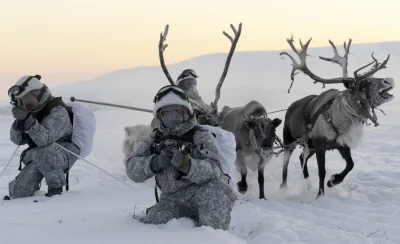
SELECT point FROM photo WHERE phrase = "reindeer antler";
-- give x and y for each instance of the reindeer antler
(234, 41)
(303, 65)
(343, 61)
(161, 49)
(373, 70)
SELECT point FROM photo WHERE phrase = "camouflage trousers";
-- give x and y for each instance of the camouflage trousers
(49, 162)
(210, 206)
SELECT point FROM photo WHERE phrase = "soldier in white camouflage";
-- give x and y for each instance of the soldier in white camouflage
(191, 181)
(187, 80)
(40, 121)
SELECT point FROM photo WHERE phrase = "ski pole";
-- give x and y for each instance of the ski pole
(73, 99)
(9, 161)
(105, 172)
(277, 111)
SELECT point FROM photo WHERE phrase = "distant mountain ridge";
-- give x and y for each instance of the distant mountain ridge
(254, 75)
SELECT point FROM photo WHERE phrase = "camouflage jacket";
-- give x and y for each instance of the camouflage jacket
(205, 167)
(56, 127)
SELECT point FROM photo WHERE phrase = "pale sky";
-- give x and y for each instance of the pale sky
(78, 39)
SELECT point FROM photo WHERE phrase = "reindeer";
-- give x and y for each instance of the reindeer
(254, 131)
(334, 119)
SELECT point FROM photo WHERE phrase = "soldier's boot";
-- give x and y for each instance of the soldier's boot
(54, 191)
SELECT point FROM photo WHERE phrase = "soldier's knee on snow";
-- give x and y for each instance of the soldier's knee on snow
(216, 189)
(16, 190)
(158, 217)
(215, 201)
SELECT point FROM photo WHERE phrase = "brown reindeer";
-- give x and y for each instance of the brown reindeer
(334, 119)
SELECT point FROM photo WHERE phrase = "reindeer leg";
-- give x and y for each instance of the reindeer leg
(242, 184)
(261, 167)
(321, 170)
(305, 167)
(338, 178)
(286, 158)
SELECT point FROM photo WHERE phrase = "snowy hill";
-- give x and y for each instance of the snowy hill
(365, 208)
(252, 75)
(260, 75)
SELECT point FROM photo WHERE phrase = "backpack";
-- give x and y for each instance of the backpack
(83, 124)
(227, 148)
(83, 128)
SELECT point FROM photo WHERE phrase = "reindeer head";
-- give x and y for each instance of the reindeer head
(257, 130)
(373, 90)
(132, 136)
(261, 134)
(370, 92)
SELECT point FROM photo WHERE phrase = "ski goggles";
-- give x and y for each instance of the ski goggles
(14, 91)
(170, 88)
(175, 111)
(186, 73)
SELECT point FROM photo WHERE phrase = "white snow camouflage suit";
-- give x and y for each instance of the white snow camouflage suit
(201, 195)
(43, 158)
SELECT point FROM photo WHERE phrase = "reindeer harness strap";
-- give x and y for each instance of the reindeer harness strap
(309, 124)
(310, 121)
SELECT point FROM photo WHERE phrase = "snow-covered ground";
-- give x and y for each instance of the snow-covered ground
(365, 208)
(99, 209)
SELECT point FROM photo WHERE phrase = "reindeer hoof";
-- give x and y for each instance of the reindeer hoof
(309, 185)
(320, 193)
(242, 187)
(283, 186)
(334, 180)
(263, 197)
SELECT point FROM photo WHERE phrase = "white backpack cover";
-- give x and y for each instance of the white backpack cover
(227, 146)
(84, 127)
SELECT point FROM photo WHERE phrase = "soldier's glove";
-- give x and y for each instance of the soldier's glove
(161, 161)
(19, 113)
(181, 160)
(29, 122)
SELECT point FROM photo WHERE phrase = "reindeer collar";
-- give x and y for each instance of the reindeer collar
(367, 106)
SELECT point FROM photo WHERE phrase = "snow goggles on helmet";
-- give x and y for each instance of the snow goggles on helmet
(170, 88)
(186, 73)
(17, 90)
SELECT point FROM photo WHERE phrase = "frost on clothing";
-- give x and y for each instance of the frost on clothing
(43, 158)
(201, 194)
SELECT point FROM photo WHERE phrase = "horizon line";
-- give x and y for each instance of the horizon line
(250, 51)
